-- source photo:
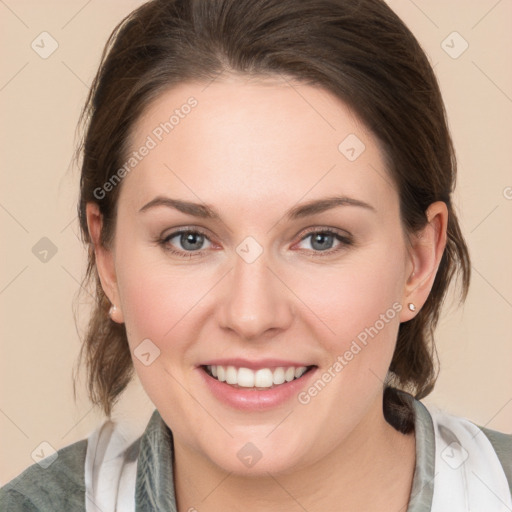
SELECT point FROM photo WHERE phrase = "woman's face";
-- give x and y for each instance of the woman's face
(293, 256)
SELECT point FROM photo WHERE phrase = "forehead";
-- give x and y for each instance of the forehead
(271, 140)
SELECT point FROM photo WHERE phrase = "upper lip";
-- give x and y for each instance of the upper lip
(254, 364)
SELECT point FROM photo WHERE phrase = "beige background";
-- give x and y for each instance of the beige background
(40, 100)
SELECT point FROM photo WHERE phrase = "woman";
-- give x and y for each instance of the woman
(266, 198)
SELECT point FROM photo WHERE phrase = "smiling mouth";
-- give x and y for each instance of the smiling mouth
(262, 379)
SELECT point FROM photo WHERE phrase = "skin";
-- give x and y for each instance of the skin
(252, 150)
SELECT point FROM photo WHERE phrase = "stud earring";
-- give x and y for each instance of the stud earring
(411, 306)
(112, 310)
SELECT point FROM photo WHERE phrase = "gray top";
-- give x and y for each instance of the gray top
(61, 486)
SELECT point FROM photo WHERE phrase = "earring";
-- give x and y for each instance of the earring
(411, 306)
(111, 311)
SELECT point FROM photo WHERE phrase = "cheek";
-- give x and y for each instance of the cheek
(156, 302)
(164, 302)
(359, 318)
(357, 307)
(343, 297)
(157, 306)
(152, 298)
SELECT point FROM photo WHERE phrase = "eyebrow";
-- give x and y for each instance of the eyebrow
(205, 211)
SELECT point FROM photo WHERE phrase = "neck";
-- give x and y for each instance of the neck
(371, 469)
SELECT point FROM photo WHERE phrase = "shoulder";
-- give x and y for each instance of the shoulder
(502, 444)
(489, 451)
(58, 486)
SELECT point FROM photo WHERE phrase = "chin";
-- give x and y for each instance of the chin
(249, 461)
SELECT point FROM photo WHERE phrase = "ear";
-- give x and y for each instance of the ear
(104, 258)
(425, 252)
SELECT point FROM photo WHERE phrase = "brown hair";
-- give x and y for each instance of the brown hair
(359, 50)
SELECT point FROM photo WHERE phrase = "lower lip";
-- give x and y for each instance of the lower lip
(251, 399)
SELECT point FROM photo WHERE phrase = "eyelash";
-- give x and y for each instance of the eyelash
(345, 242)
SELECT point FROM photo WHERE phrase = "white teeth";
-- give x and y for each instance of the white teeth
(262, 378)
(278, 377)
(299, 372)
(231, 375)
(245, 378)
(289, 374)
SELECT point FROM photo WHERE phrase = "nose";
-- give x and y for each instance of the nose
(256, 300)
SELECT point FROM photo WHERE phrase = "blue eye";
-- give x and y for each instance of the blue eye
(322, 241)
(190, 242)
